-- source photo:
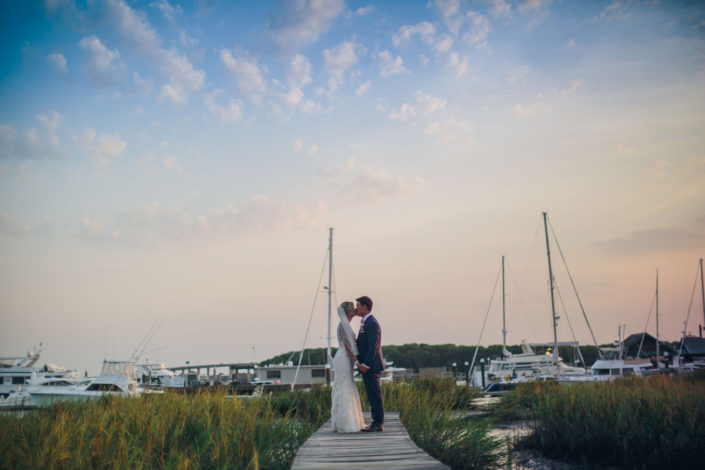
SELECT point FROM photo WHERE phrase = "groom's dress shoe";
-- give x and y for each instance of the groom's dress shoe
(379, 428)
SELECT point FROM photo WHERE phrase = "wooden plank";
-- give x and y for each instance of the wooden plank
(392, 448)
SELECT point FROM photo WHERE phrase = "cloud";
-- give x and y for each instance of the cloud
(364, 88)
(153, 225)
(444, 44)
(544, 102)
(371, 184)
(167, 10)
(429, 103)
(298, 23)
(530, 5)
(460, 66)
(169, 162)
(500, 8)
(231, 113)
(143, 85)
(136, 33)
(405, 34)
(404, 113)
(574, 85)
(58, 61)
(342, 168)
(249, 77)
(104, 149)
(449, 130)
(103, 66)
(10, 226)
(390, 65)
(298, 144)
(450, 10)
(615, 10)
(52, 121)
(33, 143)
(362, 11)
(514, 78)
(621, 148)
(479, 30)
(337, 60)
(425, 105)
(340, 58)
(299, 71)
(313, 150)
(657, 240)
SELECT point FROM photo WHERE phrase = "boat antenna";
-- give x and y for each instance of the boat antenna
(329, 360)
(690, 307)
(553, 303)
(658, 349)
(702, 287)
(504, 315)
(582, 309)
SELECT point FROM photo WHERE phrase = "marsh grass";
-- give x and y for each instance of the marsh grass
(213, 431)
(208, 430)
(656, 422)
(434, 412)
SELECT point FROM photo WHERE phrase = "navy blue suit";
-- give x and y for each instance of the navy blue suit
(369, 347)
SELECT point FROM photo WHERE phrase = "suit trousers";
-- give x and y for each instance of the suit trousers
(373, 389)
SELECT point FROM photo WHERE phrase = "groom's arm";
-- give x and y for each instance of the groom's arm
(373, 343)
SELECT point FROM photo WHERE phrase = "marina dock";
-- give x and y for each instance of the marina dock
(392, 448)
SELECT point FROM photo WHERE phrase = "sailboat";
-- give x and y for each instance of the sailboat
(509, 369)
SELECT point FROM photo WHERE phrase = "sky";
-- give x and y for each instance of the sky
(180, 164)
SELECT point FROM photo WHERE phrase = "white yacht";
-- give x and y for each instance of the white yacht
(611, 367)
(116, 378)
(18, 371)
(529, 365)
(22, 399)
(157, 376)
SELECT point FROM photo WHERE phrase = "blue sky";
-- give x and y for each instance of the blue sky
(184, 160)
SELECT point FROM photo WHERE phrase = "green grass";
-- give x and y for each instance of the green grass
(205, 431)
(656, 422)
(434, 413)
(213, 431)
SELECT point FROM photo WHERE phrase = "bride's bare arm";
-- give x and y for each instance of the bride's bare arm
(349, 350)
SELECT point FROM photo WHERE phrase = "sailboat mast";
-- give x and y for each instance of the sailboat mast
(702, 287)
(658, 349)
(553, 302)
(504, 313)
(330, 290)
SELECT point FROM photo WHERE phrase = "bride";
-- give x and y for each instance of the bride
(346, 413)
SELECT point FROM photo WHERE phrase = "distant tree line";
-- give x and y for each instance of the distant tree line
(414, 356)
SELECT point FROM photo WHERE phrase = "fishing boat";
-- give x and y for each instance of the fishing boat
(116, 378)
(17, 371)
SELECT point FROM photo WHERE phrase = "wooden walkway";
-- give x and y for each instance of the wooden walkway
(392, 448)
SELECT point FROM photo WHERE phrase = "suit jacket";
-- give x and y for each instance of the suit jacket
(369, 345)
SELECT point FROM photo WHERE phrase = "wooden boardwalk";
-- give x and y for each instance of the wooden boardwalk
(392, 448)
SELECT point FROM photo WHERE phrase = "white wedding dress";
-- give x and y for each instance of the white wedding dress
(346, 413)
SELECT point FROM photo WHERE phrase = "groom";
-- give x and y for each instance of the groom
(370, 362)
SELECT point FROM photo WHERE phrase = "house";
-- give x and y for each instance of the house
(643, 345)
(693, 349)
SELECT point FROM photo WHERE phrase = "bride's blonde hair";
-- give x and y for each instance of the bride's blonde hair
(347, 306)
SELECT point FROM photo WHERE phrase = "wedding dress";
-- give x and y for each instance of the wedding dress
(346, 413)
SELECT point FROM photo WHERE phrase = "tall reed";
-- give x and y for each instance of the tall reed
(158, 431)
(657, 422)
(434, 412)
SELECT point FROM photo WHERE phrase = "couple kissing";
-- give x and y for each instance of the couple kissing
(365, 353)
